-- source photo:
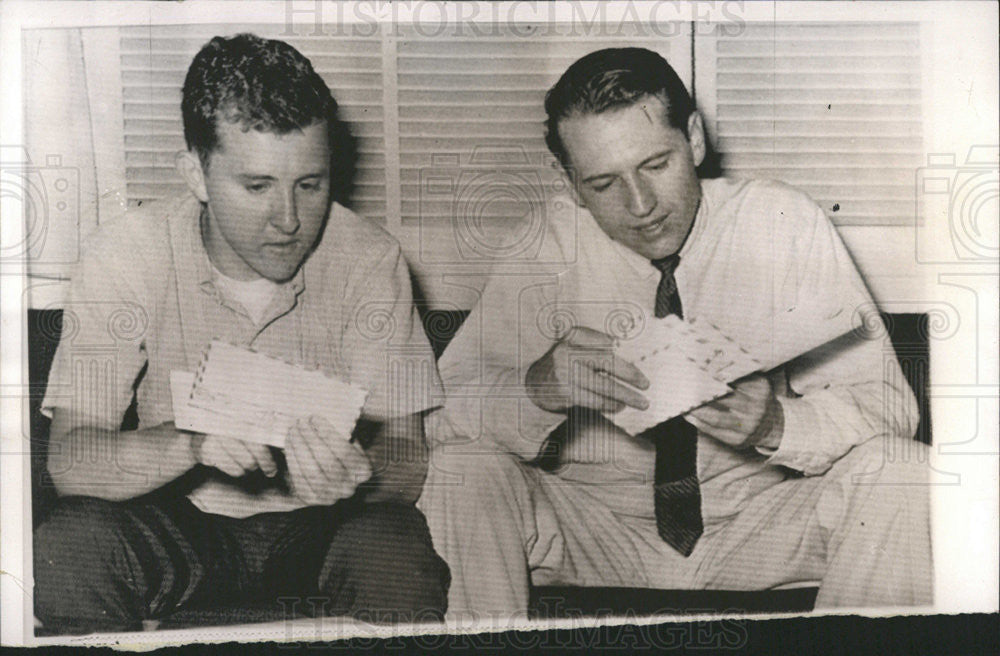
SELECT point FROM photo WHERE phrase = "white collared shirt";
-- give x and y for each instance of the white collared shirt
(755, 246)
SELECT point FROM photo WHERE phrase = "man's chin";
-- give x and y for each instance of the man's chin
(278, 275)
(657, 251)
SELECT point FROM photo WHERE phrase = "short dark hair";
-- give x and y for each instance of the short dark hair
(611, 79)
(261, 84)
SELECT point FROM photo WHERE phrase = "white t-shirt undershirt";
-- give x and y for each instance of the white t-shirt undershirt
(254, 295)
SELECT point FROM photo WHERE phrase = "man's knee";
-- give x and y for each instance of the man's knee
(884, 479)
(472, 479)
(75, 551)
(78, 532)
(382, 565)
(889, 461)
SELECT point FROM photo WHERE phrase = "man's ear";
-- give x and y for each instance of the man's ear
(696, 137)
(189, 166)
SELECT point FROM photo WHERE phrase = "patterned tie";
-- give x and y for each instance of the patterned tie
(676, 495)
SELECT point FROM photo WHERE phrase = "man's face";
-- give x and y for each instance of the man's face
(267, 198)
(636, 174)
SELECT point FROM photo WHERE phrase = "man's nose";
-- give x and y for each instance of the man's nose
(641, 199)
(285, 217)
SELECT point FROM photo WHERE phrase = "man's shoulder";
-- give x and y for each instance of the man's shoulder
(140, 236)
(351, 241)
(763, 204)
(758, 193)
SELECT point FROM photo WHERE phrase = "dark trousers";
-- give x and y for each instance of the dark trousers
(104, 566)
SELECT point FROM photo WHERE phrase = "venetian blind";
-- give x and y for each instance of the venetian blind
(468, 102)
(834, 109)
(155, 59)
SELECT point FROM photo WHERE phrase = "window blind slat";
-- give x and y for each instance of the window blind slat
(823, 95)
(814, 47)
(483, 112)
(856, 32)
(744, 80)
(839, 111)
(831, 108)
(750, 144)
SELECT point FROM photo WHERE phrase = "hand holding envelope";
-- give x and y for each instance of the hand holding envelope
(239, 393)
(691, 363)
(245, 402)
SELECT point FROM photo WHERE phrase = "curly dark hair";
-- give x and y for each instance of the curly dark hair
(610, 79)
(260, 84)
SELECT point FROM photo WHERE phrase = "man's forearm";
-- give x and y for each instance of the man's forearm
(116, 465)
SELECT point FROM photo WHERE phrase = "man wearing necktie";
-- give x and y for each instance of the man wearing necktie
(780, 481)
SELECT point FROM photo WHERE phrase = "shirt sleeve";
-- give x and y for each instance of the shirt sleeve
(101, 347)
(384, 345)
(852, 389)
(483, 369)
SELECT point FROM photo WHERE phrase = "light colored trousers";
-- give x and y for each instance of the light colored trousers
(862, 530)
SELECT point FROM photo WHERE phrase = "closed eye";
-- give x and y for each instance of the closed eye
(600, 184)
(657, 164)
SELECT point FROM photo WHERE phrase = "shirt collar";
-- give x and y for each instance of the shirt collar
(642, 265)
(194, 258)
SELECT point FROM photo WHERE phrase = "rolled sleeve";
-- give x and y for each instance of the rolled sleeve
(385, 347)
(101, 346)
(799, 449)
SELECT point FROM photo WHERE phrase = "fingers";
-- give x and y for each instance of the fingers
(714, 418)
(756, 387)
(625, 370)
(235, 457)
(262, 456)
(298, 481)
(318, 464)
(216, 454)
(323, 466)
(588, 338)
(606, 388)
(350, 456)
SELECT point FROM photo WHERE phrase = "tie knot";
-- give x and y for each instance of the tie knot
(667, 264)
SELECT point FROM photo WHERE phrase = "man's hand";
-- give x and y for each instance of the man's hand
(749, 416)
(231, 456)
(323, 465)
(581, 369)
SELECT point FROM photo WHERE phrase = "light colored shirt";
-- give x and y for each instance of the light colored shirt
(144, 300)
(254, 295)
(754, 247)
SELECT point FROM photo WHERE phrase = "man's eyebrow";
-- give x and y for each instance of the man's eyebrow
(662, 153)
(654, 156)
(592, 178)
(256, 176)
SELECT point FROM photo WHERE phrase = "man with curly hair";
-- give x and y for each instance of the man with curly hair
(153, 520)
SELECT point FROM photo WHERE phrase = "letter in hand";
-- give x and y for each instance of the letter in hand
(323, 465)
(581, 369)
(749, 416)
(232, 456)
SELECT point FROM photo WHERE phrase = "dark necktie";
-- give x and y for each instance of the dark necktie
(676, 495)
